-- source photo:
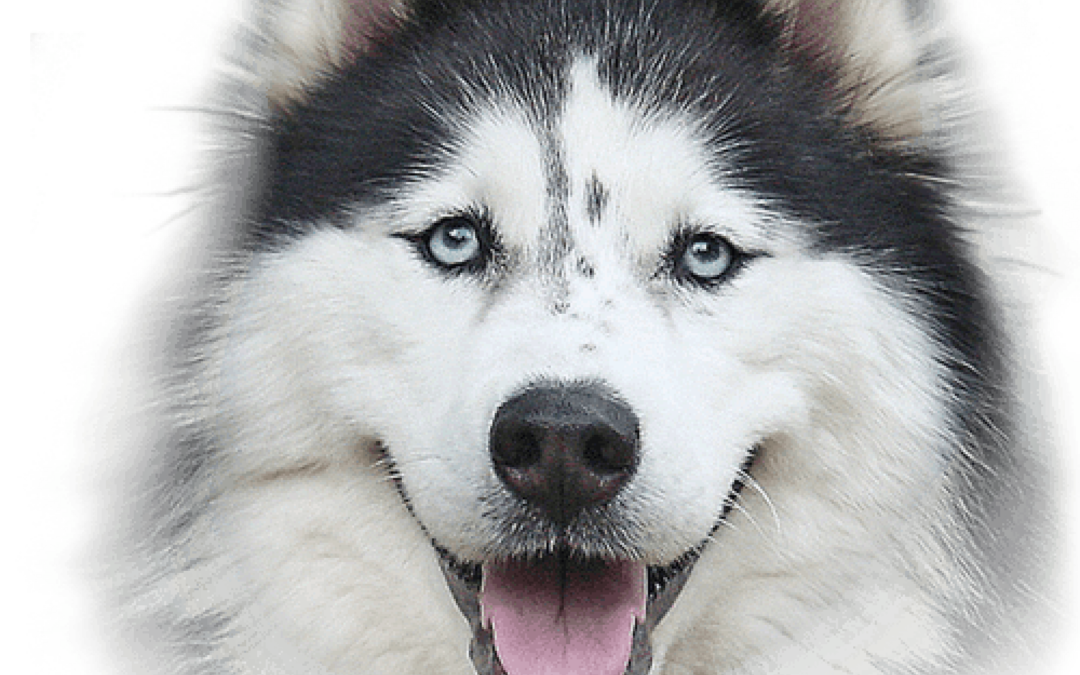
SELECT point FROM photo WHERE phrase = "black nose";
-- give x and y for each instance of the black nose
(565, 447)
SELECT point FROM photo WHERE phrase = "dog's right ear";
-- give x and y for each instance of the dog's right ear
(299, 41)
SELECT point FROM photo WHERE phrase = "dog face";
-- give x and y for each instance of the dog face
(577, 331)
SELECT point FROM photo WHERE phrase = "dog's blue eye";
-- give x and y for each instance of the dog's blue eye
(454, 242)
(706, 257)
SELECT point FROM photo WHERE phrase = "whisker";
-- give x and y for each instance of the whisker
(750, 481)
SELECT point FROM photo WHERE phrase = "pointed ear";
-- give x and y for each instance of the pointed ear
(874, 45)
(300, 41)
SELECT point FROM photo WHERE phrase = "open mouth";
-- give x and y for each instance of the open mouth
(558, 614)
(565, 614)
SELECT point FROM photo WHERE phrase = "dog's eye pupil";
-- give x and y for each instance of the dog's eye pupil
(455, 241)
(707, 257)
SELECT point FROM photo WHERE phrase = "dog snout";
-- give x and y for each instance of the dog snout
(565, 447)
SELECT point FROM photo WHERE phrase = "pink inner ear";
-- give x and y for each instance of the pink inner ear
(815, 25)
(367, 21)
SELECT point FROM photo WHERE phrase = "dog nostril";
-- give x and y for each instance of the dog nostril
(520, 449)
(565, 447)
(605, 452)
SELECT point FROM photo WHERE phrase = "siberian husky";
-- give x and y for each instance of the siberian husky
(591, 337)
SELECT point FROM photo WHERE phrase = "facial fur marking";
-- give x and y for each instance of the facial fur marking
(556, 243)
(596, 199)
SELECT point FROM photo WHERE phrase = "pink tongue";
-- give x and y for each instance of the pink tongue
(560, 618)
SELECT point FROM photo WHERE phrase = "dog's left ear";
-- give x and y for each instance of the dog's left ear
(874, 47)
(300, 41)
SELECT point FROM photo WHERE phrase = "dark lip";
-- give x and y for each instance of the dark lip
(665, 584)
